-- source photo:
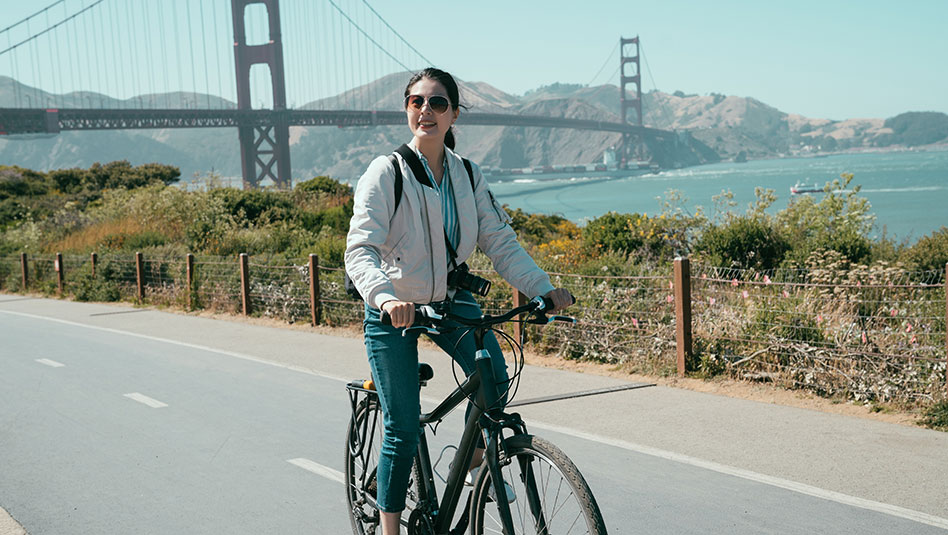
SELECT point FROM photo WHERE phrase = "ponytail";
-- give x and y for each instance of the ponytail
(449, 138)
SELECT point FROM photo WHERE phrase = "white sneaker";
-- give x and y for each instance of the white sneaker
(491, 493)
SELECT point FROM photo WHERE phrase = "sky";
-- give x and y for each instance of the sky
(821, 59)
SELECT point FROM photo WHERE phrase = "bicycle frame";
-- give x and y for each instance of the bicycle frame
(491, 423)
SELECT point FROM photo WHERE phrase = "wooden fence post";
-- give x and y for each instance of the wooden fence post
(518, 300)
(245, 282)
(140, 276)
(59, 272)
(315, 308)
(24, 271)
(682, 312)
(95, 260)
(189, 271)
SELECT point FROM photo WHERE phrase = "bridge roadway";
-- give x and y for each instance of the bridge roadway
(116, 419)
(41, 121)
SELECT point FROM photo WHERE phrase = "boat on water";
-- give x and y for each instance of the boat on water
(798, 188)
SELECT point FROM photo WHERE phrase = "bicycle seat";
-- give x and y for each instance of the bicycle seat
(425, 373)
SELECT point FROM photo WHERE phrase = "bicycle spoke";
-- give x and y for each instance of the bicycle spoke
(559, 499)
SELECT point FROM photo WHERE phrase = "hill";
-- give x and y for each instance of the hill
(715, 126)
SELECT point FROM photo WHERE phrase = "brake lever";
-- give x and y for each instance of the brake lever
(421, 329)
(564, 319)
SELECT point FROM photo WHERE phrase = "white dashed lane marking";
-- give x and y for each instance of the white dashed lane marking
(141, 398)
(318, 469)
(50, 363)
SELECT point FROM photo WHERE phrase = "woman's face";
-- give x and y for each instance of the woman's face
(426, 124)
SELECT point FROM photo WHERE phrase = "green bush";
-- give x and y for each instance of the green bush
(658, 238)
(249, 207)
(747, 242)
(929, 253)
(145, 240)
(99, 288)
(839, 221)
(936, 417)
(534, 228)
(324, 184)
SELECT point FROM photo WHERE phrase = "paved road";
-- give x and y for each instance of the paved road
(121, 420)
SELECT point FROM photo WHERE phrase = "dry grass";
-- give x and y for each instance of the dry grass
(96, 234)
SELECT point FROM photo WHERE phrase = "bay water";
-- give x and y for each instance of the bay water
(908, 190)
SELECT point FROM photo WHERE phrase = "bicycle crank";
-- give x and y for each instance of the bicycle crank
(419, 523)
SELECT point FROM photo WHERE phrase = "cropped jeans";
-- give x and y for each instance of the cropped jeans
(394, 362)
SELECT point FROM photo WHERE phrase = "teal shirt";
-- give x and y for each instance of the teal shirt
(449, 211)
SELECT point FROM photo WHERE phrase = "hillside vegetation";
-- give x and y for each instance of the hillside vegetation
(117, 206)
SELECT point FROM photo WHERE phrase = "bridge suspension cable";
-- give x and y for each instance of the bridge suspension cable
(668, 115)
(50, 28)
(611, 57)
(21, 21)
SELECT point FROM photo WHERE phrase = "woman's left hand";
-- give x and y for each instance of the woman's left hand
(561, 298)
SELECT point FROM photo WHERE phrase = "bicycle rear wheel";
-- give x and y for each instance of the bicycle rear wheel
(363, 440)
(363, 445)
(552, 497)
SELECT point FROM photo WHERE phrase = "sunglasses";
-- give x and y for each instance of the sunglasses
(437, 103)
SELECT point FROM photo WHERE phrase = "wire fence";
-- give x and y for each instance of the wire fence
(869, 333)
(865, 333)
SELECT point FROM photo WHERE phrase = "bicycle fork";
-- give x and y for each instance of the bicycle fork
(494, 435)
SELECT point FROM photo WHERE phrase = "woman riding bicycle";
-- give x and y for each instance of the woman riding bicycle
(399, 252)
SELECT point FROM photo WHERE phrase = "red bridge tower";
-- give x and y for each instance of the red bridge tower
(262, 145)
(629, 74)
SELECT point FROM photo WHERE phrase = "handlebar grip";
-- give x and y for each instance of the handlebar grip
(548, 303)
(386, 318)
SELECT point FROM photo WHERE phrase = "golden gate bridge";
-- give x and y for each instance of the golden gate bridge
(113, 44)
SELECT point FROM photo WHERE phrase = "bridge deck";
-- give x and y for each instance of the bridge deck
(43, 121)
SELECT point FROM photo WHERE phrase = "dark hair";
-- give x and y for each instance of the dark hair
(450, 86)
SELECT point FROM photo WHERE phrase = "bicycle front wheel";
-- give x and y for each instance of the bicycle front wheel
(552, 497)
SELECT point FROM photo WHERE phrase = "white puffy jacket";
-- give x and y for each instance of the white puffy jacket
(404, 257)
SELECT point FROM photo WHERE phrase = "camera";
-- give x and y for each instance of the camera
(461, 278)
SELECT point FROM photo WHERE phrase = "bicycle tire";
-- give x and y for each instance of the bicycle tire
(567, 513)
(360, 499)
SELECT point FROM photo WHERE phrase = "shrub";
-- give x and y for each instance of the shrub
(102, 287)
(324, 184)
(248, 207)
(145, 240)
(936, 417)
(839, 221)
(746, 242)
(929, 253)
(537, 228)
(659, 237)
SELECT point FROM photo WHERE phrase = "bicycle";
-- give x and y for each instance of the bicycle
(552, 497)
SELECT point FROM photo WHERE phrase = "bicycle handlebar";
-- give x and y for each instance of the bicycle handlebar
(427, 316)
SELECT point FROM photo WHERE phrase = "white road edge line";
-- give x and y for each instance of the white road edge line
(809, 490)
(50, 363)
(318, 469)
(845, 499)
(141, 398)
(182, 344)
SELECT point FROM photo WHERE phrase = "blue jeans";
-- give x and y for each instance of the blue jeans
(394, 362)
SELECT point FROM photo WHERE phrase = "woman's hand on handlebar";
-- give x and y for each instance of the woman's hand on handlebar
(561, 299)
(401, 312)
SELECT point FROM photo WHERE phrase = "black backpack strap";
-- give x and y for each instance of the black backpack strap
(414, 163)
(398, 182)
(470, 171)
